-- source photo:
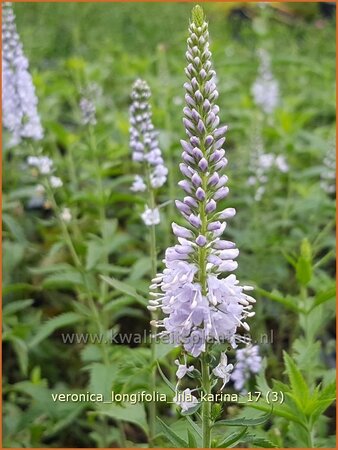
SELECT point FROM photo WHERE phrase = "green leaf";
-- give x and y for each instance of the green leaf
(232, 439)
(192, 443)
(300, 389)
(165, 379)
(125, 288)
(288, 302)
(194, 425)
(128, 413)
(243, 421)
(281, 411)
(323, 297)
(69, 279)
(21, 350)
(101, 379)
(51, 268)
(117, 304)
(324, 399)
(14, 307)
(67, 419)
(18, 287)
(140, 268)
(51, 325)
(14, 227)
(263, 442)
(95, 251)
(172, 436)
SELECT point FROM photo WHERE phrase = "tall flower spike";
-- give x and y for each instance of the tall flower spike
(145, 148)
(87, 103)
(19, 101)
(265, 89)
(201, 301)
(261, 164)
(248, 361)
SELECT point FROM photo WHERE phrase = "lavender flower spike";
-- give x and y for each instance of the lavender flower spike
(200, 300)
(19, 101)
(248, 362)
(265, 89)
(145, 147)
(143, 137)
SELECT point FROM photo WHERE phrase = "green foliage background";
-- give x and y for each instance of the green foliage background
(286, 240)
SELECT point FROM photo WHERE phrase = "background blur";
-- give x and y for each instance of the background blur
(73, 45)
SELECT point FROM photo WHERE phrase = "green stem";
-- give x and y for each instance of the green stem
(310, 440)
(206, 386)
(206, 406)
(77, 263)
(153, 257)
(101, 207)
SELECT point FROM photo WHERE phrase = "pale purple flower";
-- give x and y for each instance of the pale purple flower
(185, 400)
(248, 362)
(19, 102)
(55, 182)
(151, 216)
(196, 312)
(45, 166)
(145, 148)
(42, 163)
(89, 96)
(183, 369)
(143, 137)
(138, 184)
(261, 164)
(281, 164)
(88, 111)
(158, 176)
(265, 89)
(223, 370)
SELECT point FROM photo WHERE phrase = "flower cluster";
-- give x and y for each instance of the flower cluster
(87, 104)
(44, 165)
(261, 164)
(328, 174)
(248, 361)
(201, 301)
(151, 216)
(19, 101)
(265, 89)
(145, 147)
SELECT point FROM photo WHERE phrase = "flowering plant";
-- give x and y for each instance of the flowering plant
(199, 306)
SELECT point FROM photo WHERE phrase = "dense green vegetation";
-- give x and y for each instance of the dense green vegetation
(285, 235)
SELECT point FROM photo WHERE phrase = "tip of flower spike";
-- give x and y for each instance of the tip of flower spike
(197, 16)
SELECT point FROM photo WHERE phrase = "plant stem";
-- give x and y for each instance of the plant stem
(153, 257)
(206, 407)
(101, 207)
(206, 386)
